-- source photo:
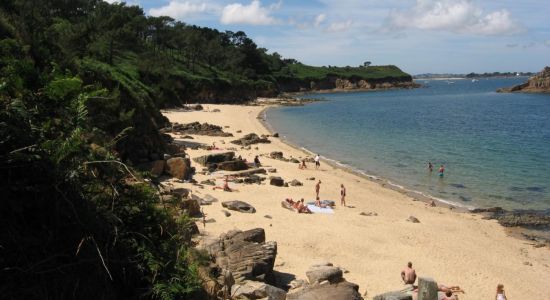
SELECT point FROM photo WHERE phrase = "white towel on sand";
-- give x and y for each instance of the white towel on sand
(320, 210)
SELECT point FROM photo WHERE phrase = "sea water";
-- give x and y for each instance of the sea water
(495, 147)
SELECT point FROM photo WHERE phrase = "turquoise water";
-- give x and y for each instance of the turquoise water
(495, 147)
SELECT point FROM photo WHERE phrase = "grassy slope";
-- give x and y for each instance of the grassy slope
(302, 72)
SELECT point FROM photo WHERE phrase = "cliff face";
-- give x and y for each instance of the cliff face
(539, 83)
(337, 83)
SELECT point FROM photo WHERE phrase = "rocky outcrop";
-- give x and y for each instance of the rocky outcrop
(239, 206)
(325, 282)
(206, 160)
(339, 291)
(539, 83)
(233, 165)
(276, 181)
(196, 128)
(427, 289)
(257, 290)
(251, 139)
(179, 167)
(351, 83)
(245, 254)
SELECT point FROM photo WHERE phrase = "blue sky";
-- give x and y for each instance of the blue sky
(419, 36)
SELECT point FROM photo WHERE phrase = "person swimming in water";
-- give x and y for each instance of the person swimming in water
(441, 170)
(430, 166)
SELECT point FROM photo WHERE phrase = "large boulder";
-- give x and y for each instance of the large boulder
(192, 207)
(339, 291)
(179, 167)
(239, 206)
(232, 165)
(257, 290)
(157, 167)
(427, 289)
(404, 294)
(250, 139)
(199, 129)
(276, 155)
(214, 158)
(295, 182)
(318, 274)
(245, 254)
(276, 181)
(247, 173)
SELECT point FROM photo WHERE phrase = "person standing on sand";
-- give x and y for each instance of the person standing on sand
(500, 292)
(257, 162)
(408, 275)
(317, 161)
(317, 188)
(441, 170)
(342, 195)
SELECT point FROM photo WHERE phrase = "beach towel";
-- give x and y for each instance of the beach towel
(324, 202)
(319, 210)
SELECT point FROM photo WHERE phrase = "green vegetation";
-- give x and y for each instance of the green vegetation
(305, 72)
(81, 84)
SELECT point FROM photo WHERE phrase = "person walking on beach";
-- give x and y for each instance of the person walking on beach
(441, 170)
(408, 275)
(317, 188)
(430, 166)
(342, 195)
(317, 161)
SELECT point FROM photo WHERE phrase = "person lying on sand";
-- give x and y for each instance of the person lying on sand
(225, 186)
(453, 289)
(288, 203)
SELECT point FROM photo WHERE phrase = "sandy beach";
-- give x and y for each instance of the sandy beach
(453, 248)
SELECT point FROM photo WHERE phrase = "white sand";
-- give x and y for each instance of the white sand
(453, 248)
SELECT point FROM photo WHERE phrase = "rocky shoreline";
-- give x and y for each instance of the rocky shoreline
(539, 83)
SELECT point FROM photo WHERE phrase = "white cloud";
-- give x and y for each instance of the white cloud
(319, 19)
(339, 26)
(179, 9)
(461, 16)
(252, 14)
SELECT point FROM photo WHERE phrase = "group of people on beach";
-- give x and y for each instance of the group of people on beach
(408, 275)
(342, 194)
(317, 159)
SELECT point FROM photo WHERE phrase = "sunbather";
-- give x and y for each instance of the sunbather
(453, 289)
(302, 208)
(225, 186)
